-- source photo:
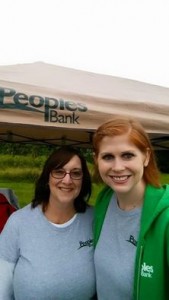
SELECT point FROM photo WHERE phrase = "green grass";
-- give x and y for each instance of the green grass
(164, 178)
(23, 190)
(21, 161)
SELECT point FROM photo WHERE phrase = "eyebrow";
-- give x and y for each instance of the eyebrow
(76, 168)
(128, 151)
(123, 152)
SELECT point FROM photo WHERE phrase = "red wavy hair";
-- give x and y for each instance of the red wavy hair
(120, 125)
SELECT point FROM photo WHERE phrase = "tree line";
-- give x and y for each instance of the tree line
(42, 149)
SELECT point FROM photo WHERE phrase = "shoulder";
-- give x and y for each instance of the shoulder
(89, 211)
(22, 211)
(162, 189)
(156, 202)
(166, 189)
(88, 215)
(20, 215)
(157, 192)
(103, 198)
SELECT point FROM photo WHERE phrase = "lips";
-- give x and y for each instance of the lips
(63, 189)
(120, 179)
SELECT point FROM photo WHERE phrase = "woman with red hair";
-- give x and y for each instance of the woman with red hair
(132, 215)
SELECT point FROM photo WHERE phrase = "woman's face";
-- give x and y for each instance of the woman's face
(65, 190)
(121, 164)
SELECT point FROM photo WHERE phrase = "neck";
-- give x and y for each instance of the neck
(131, 200)
(59, 215)
(129, 205)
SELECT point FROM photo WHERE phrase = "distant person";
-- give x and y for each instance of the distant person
(132, 215)
(46, 248)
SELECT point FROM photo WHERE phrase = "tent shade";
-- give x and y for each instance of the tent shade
(44, 103)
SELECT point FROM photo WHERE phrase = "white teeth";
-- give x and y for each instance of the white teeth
(65, 189)
(120, 178)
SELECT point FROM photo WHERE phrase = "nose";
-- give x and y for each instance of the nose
(67, 178)
(118, 165)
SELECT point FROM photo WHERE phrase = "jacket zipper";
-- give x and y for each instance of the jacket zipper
(139, 270)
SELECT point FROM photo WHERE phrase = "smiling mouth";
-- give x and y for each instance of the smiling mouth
(65, 189)
(120, 178)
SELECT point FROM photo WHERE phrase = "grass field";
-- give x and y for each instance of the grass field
(24, 190)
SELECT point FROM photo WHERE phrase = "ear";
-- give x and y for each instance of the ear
(147, 157)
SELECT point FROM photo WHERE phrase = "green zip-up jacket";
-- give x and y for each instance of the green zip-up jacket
(151, 280)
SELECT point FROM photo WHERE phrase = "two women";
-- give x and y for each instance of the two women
(46, 248)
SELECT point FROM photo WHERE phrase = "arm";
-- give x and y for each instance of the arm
(6, 280)
(9, 253)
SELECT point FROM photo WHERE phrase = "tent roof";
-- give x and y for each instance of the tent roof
(53, 104)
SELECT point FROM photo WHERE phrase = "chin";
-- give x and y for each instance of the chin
(120, 189)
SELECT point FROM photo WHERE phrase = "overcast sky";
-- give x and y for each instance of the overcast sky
(124, 38)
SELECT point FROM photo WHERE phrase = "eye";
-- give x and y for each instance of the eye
(58, 171)
(108, 157)
(76, 173)
(127, 155)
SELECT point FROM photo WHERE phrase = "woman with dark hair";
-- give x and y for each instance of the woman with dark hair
(131, 234)
(54, 166)
(46, 248)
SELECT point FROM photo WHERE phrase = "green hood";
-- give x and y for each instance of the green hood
(156, 200)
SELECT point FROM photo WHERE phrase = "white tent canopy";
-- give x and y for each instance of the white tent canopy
(44, 103)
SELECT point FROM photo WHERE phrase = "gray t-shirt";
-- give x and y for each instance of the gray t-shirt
(51, 263)
(115, 253)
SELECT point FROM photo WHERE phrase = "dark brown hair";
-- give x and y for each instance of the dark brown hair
(58, 159)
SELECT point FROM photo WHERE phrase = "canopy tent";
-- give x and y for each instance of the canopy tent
(50, 104)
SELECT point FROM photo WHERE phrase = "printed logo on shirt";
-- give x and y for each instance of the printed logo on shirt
(146, 270)
(87, 243)
(132, 240)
